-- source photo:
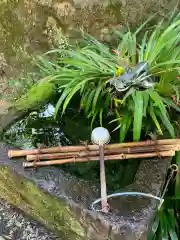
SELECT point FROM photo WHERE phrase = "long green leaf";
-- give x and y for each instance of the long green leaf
(166, 123)
(154, 118)
(146, 101)
(144, 24)
(166, 63)
(164, 227)
(154, 228)
(71, 94)
(94, 114)
(128, 93)
(115, 120)
(101, 117)
(96, 96)
(171, 224)
(162, 113)
(125, 124)
(171, 104)
(177, 91)
(143, 46)
(151, 43)
(177, 186)
(88, 100)
(60, 101)
(138, 115)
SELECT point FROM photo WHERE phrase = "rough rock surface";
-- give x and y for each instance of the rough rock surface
(28, 28)
(129, 218)
(15, 225)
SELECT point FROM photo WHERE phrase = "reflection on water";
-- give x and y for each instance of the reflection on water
(41, 128)
(48, 112)
(37, 128)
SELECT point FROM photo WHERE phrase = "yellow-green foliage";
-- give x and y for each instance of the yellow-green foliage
(38, 95)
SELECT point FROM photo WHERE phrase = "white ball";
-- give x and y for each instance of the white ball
(100, 136)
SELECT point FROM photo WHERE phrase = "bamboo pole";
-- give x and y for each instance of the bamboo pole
(22, 153)
(104, 203)
(57, 156)
(106, 152)
(96, 158)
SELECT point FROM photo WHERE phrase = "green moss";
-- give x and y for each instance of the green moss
(36, 97)
(55, 214)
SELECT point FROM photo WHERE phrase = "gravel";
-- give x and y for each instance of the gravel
(15, 225)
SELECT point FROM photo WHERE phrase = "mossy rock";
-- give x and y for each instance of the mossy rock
(53, 213)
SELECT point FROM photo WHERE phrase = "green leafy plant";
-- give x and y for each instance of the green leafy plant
(96, 73)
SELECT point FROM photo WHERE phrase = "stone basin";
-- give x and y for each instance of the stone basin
(61, 202)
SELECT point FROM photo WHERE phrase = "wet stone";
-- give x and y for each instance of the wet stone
(14, 225)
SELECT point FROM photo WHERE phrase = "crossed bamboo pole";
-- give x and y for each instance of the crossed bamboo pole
(85, 153)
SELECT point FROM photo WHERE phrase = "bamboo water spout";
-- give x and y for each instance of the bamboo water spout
(61, 149)
(101, 136)
(82, 154)
(96, 158)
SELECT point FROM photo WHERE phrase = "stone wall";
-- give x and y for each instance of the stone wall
(30, 27)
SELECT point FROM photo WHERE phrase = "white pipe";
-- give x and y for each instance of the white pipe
(148, 195)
